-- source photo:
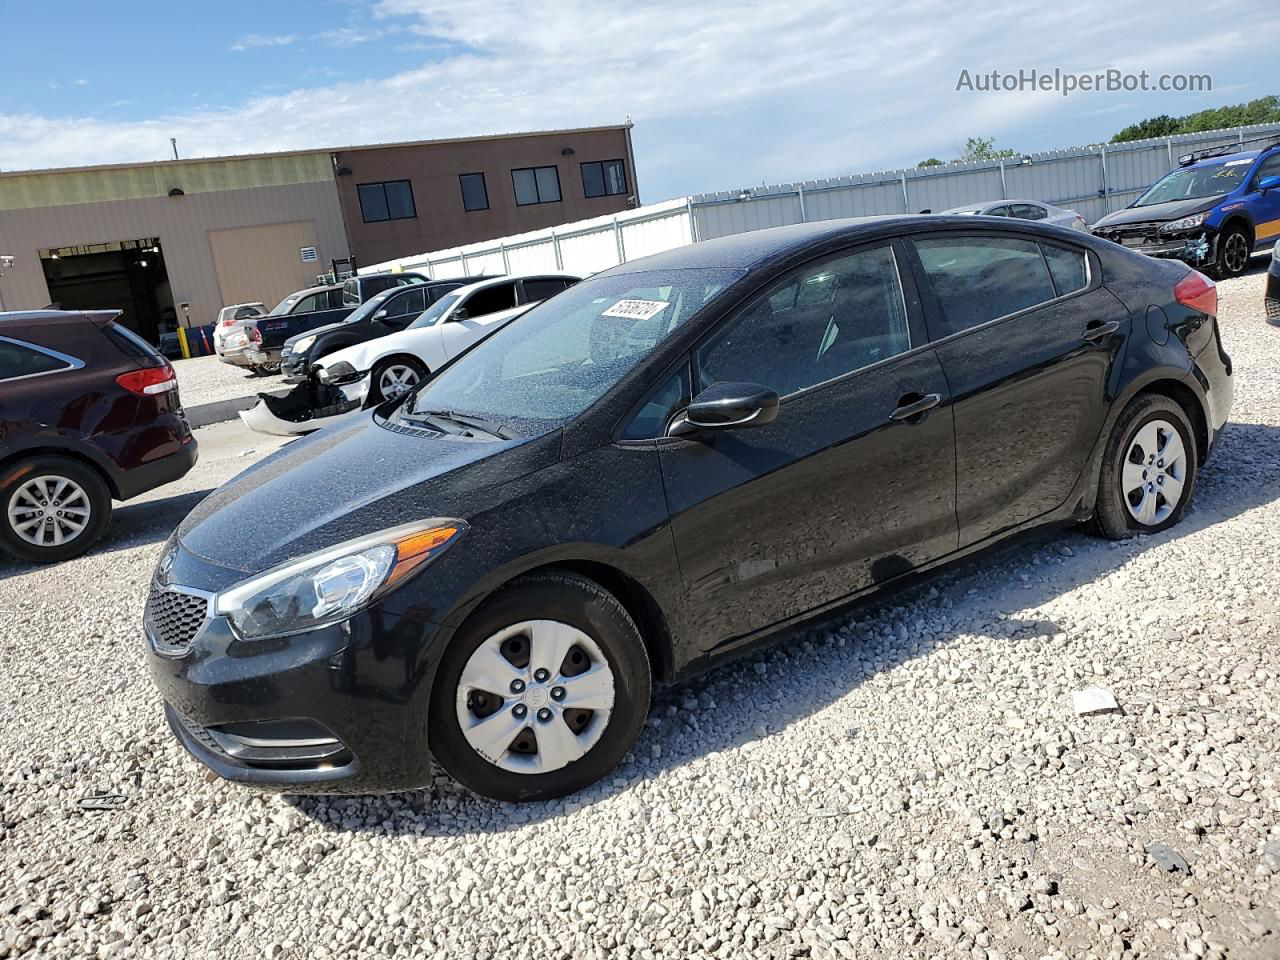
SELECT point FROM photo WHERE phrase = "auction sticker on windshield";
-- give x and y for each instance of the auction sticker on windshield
(636, 309)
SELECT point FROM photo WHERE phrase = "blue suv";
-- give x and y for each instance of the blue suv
(1214, 212)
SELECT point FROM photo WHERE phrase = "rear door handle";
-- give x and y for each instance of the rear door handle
(1097, 330)
(909, 407)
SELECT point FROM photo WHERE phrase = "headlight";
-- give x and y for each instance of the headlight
(303, 345)
(1186, 223)
(332, 584)
(340, 372)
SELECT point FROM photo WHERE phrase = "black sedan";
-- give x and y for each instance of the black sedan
(659, 467)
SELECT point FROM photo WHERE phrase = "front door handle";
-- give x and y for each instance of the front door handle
(913, 404)
(1098, 329)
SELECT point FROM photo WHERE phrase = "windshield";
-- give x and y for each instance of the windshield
(285, 305)
(1195, 183)
(435, 311)
(553, 362)
(369, 307)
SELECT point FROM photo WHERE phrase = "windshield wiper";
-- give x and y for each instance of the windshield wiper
(490, 427)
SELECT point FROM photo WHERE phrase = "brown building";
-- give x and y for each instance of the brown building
(408, 198)
(176, 240)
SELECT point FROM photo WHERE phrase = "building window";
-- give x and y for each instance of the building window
(536, 185)
(392, 200)
(604, 178)
(474, 194)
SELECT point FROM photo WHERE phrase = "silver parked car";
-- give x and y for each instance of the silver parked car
(1024, 210)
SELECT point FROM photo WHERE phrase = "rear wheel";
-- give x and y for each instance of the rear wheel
(266, 369)
(542, 692)
(54, 508)
(1232, 258)
(1148, 470)
(394, 376)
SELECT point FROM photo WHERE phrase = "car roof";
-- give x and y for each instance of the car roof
(101, 317)
(509, 277)
(320, 289)
(1228, 158)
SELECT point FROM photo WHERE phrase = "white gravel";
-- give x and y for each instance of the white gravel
(909, 782)
(207, 380)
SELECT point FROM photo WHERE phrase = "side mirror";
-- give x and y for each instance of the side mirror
(380, 315)
(460, 314)
(727, 406)
(1268, 183)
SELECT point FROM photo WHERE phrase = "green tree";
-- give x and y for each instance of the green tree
(931, 162)
(984, 148)
(1262, 110)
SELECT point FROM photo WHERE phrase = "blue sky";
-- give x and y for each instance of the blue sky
(723, 94)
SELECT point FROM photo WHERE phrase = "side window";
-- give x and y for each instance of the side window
(1002, 211)
(651, 419)
(307, 304)
(977, 279)
(375, 286)
(535, 290)
(491, 300)
(440, 289)
(246, 312)
(1028, 211)
(413, 302)
(1069, 268)
(20, 360)
(817, 325)
(335, 299)
(1269, 167)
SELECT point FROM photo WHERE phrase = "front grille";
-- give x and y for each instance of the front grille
(174, 618)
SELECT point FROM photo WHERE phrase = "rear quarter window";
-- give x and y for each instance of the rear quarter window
(1069, 267)
(130, 343)
(19, 359)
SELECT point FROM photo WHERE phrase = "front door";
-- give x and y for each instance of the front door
(1028, 338)
(852, 484)
(1266, 205)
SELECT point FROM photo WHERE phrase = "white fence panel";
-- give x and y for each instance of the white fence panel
(590, 252)
(532, 258)
(485, 261)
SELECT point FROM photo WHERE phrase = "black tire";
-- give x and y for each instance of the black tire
(266, 369)
(1228, 261)
(1112, 518)
(17, 475)
(375, 388)
(570, 599)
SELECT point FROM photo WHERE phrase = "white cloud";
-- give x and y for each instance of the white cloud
(723, 94)
(348, 36)
(249, 41)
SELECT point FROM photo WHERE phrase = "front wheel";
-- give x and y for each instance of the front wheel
(393, 377)
(542, 692)
(1149, 469)
(53, 508)
(266, 369)
(1232, 258)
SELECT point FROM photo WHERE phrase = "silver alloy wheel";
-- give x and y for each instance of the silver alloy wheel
(48, 511)
(1236, 253)
(396, 379)
(541, 715)
(1154, 472)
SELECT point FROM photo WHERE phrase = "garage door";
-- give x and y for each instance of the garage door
(263, 263)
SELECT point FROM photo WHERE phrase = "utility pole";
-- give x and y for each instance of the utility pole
(173, 142)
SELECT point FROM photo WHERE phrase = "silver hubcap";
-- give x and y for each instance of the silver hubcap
(535, 696)
(1236, 254)
(49, 511)
(396, 379)
(1155, 472)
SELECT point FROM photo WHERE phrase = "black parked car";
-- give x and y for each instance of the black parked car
(656, 469)
(89, 412)
(356, 290)
(386, 312)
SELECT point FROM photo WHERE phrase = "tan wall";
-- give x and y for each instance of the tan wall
(263, 263)
(183, 225)
(433, 170)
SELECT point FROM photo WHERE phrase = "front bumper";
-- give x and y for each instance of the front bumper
(1196, 247)
(358, 684)
(293, 366)
(300, 412)
(1273, 293)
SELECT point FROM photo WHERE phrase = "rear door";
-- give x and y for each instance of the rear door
(1028, 338)
(841, 491)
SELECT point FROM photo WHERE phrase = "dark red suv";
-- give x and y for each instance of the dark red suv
(89, 412)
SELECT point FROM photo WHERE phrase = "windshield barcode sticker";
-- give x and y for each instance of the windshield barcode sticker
(636, 309)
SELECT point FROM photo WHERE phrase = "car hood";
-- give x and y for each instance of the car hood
(1173, 210)
(313, 332)
(347, 481)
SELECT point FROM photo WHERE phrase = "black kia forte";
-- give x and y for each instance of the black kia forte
(658, 468)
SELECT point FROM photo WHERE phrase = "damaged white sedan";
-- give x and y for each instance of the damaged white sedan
(347, 381)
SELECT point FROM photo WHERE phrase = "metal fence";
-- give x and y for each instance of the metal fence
(1093, 181)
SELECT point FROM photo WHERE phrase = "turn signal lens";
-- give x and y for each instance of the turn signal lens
(1198, 292)
(150, 381)
(418, 549)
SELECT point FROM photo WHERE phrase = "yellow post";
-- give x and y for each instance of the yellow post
(182, 342)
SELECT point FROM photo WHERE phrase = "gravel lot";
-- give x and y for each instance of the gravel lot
(908, 782)
(208, 379)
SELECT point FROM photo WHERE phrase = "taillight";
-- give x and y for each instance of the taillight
(1198, 292)
(150, 381)
(228, 321)
(255, 334)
